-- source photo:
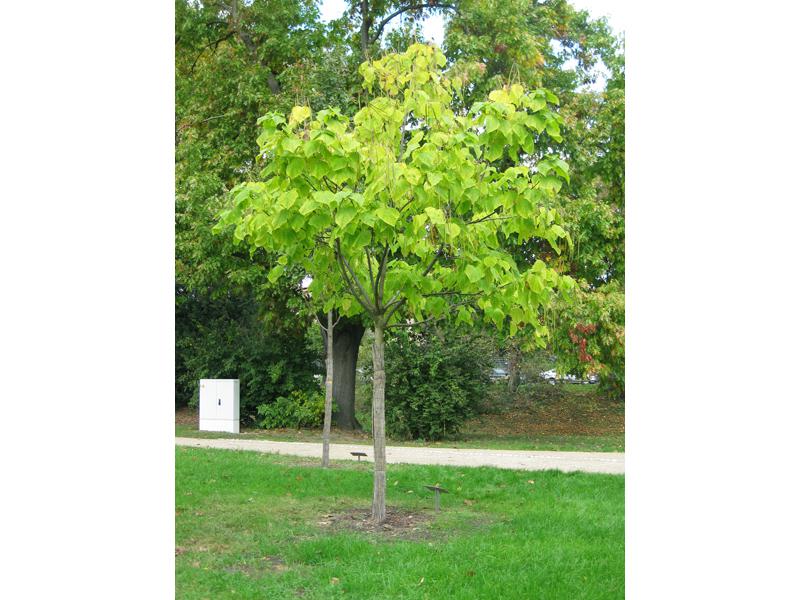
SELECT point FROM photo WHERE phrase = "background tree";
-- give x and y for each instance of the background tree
(236, 60)
(550, 43)
(228, 57)
(402, 204)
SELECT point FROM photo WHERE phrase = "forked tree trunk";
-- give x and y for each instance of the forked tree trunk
(326, 427)
(378, 426)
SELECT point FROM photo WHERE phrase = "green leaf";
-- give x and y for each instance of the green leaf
(435, 215)
(275, 273)
(345, 214)
(387, 214)
(308, 207)
(474, 274)
(294, 167)
(320, 220)
(299, 114)
(452, 230)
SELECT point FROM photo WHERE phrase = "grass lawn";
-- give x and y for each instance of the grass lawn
(541, 417)
(253, 525)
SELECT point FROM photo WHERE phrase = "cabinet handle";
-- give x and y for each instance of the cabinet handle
(219, 402)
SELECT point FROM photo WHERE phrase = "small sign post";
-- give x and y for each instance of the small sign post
(436, 491)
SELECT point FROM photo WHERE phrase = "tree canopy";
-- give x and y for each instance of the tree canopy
(401, 204)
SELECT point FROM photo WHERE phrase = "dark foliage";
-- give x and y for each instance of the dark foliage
(435, 378)
(227, 338)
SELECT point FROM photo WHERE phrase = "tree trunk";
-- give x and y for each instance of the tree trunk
(366, 22)
(378, 426)
(346, 341)
(513, 367)
(326, 427)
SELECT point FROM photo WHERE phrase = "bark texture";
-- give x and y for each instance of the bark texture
(346, 341)
(378, 427)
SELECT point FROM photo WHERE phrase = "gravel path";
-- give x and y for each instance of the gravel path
(530, 460)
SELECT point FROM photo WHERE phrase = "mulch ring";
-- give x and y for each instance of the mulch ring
(399, 523)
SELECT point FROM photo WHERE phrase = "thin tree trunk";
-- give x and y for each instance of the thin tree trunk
(378, 425)
(326, 427)
(513, 367)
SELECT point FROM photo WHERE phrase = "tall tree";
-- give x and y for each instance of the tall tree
(234, 61)
(402, 207)
(373, 17)
(550, 43)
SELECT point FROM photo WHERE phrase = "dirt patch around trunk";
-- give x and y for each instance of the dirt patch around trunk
(400, 523)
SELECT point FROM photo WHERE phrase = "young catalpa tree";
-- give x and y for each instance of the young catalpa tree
(401, 207)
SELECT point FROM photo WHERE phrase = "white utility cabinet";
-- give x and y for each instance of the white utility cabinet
(219, 405)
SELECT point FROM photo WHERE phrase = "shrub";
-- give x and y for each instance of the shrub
(299, 409)
(434, 381)
(227, 339)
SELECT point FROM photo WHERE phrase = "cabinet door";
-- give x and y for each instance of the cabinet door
(221, 402)
(208, 399)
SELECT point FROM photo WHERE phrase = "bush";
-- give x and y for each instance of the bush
(299, 409)
(227, 339)
(434, 381)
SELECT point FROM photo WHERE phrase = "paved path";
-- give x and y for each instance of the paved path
(590, 462)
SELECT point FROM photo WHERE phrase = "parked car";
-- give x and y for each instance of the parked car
(552, 378)
(499, 371)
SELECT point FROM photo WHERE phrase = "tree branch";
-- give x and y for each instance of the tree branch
(496, 211)
(215, 43)
(403, 9)
(243, 35)
(432, 319)
(363, 298)
(381, 278)
(395, 308)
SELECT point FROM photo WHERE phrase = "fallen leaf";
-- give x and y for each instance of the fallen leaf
(469, 502)
(530, 481)
(470, 573)
(334, 580)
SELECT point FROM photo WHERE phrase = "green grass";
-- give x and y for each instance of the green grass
(582, 443)
(498, 536)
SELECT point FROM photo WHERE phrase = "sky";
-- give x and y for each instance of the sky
(433, 27)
